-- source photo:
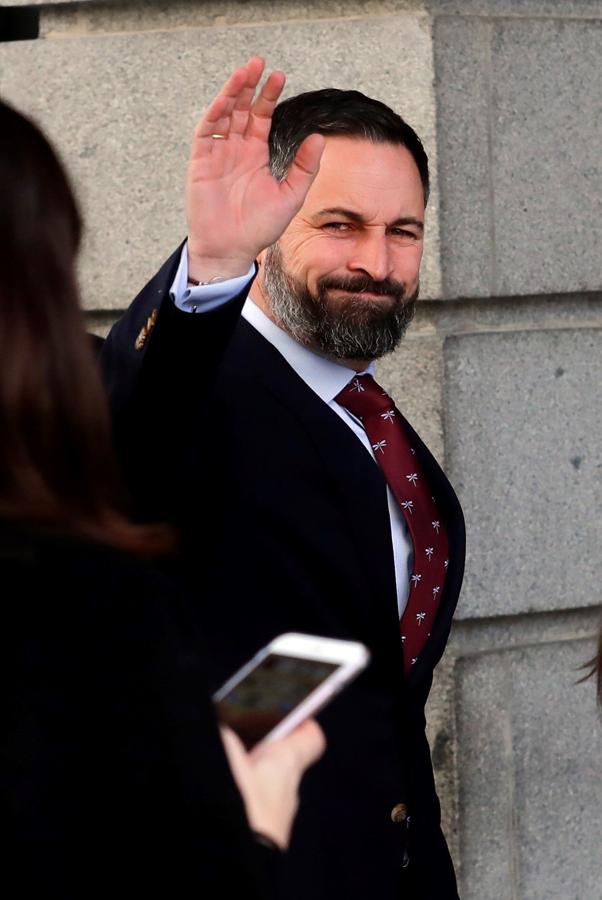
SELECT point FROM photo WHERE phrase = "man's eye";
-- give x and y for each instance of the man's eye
(405, 234)
(337, 226)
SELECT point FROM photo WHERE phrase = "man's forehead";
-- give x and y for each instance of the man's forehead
(359, 174)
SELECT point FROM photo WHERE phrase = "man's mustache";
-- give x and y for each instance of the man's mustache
(363, 284)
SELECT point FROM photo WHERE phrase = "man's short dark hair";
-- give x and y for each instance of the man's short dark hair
(344, 113)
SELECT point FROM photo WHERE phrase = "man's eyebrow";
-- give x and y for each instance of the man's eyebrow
(341, 211)
(354, 216)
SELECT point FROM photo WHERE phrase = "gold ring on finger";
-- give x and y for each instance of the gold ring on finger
(218, 137)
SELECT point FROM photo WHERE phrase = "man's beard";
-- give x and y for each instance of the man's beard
(350, 327)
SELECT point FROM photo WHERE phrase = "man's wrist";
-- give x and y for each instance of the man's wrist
(217, 279)
(204, 270)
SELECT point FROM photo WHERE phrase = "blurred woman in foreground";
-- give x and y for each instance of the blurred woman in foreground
(113, 776)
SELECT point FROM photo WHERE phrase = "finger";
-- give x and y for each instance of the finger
(306, 744)
(311, 742)
(230, 739)
(305, 166)
(219, 123)
(217, 115)
(223, 104)
(234, 748)
(240, 113)
(260, 117)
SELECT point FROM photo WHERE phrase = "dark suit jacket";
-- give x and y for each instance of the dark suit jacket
(292, 513)
(113, 781)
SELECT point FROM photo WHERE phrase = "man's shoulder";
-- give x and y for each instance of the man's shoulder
(250, 356)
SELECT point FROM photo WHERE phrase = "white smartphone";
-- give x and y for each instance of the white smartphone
(286, 682)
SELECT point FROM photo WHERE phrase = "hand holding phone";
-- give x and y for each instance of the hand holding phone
(268, 776)
(285, 683)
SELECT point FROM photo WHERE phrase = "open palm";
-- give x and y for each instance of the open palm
(234, 205)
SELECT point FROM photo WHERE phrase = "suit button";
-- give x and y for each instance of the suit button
(399, 813)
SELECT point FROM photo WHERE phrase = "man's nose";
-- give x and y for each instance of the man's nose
(371, 256)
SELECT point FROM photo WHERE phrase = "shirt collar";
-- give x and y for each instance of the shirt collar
(324, 376)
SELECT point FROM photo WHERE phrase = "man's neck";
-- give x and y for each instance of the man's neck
(257, 295)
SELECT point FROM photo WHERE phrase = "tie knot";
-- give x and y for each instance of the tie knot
(364, 397)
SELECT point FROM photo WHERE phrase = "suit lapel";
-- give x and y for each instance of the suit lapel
(356, 480)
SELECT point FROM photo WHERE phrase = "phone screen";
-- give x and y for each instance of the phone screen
(268, 693)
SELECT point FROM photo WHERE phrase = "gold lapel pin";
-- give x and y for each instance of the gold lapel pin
(146, 330)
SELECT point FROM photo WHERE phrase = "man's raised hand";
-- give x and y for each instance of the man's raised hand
(234, 205)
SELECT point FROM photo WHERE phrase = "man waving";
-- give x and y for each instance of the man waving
(305, 500)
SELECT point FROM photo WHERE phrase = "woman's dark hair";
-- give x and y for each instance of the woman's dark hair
(57, 466)
(343, 113)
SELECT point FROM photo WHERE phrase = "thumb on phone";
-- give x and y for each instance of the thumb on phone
(304, 745)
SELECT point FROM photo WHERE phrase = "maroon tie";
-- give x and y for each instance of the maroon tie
(391, 445)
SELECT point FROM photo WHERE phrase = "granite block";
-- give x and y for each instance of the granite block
(121, 109)
(461, 48)
(530, 788)
(139, 15)
(522, 415)
(441, 735)
(556, 9)
(42, 2)
(485, 797)
(546, 155)
(557, 751)
(519, 106)
(470, 637)
(583, 310)
(227, 11)
(237, 9)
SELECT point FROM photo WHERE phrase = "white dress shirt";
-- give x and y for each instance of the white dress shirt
(323, 376)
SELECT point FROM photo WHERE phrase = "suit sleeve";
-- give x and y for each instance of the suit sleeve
(154, 345)
(157, 364)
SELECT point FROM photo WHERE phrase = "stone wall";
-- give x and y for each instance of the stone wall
(501, 371)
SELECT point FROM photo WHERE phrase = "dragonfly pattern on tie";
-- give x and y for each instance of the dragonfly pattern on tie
(391, 441)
